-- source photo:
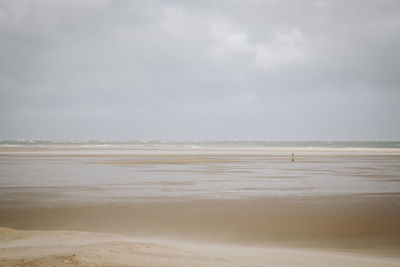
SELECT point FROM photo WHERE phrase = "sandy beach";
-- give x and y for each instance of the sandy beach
(203, 207)
(61, 248)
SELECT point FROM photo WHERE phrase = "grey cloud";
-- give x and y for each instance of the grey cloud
(200, 69)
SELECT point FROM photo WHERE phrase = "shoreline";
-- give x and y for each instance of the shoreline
(132, 150)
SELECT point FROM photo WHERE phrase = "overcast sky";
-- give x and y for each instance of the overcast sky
(265, 70)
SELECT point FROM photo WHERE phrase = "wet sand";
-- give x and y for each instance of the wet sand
(358, 223)
(307, 229)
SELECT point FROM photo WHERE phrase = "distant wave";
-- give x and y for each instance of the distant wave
(203, 143)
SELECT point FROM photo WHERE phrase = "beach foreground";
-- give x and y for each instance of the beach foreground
(199, 207)
(62, 248)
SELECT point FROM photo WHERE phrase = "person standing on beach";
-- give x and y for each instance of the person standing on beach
(292, 157)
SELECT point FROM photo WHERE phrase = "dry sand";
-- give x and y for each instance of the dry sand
(61, 248)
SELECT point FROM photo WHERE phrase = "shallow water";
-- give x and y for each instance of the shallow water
(128, 174)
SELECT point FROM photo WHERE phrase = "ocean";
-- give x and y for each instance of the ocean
(204, 143)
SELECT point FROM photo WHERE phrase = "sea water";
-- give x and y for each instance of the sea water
(156, 170)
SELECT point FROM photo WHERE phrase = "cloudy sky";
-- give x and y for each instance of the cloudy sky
(265, 70)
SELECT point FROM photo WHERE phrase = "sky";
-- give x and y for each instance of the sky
(200, 70)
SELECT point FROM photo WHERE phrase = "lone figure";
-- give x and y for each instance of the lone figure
(292, 157)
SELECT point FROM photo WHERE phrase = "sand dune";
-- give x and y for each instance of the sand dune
(67, 248)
